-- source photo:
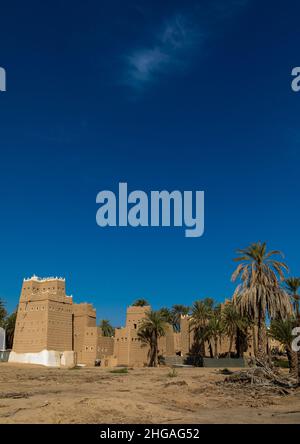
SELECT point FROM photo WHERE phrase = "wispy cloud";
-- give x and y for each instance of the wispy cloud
(177, 42)
(171, 48)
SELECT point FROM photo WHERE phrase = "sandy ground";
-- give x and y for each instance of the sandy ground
(33, 394)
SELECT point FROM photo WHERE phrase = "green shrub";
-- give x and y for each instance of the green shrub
(225, 371)
(281, 363)
(120, 370)
(173, 373)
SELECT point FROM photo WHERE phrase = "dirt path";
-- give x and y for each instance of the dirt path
(32, 394)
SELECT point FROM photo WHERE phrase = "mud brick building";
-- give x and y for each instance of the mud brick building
(52, 330)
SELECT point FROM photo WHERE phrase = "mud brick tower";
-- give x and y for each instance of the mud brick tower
(44, 318)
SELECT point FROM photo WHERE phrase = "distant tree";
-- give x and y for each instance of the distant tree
(167, 314)
(281, 330)
(233, 323)
(177, 311)
(3, 313)
(152, 327)
(292, 285)
(209, 302)
(140, 303)
(259, 294)
(106, 327)
(10, 323)
(201, 313)
(214, 330)
(242, 341)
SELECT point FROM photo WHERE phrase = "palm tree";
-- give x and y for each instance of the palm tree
(10, 323)
(3, 313)
(292, 287)
(169, 317)
(281, 330)
(259, 294)
(177, 311)
(214, 330)
(106, 328)
(166, 314)
(140, 303)
(209, 302)
(201, 314)
(232, 323)
(152, 327)
(242, 340)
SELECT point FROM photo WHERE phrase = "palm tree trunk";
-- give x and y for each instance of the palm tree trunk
(155, 356)
(261, 340)
(292, 358)
(202, 348)
(155, 346)
(216, 347)
(153, 351)
(254, 341)
(230, 345)
(210, 350)
(152, 362)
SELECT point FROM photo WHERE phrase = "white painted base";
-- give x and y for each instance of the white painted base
(49, 358)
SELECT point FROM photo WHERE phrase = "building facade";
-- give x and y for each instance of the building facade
(52, 330)
(44, 318)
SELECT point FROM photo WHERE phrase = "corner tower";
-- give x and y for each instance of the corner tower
(44, 318)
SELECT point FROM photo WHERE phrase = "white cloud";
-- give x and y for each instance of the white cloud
(177, 42)
(171, 49)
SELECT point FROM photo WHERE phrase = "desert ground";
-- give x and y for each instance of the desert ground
(34, 394)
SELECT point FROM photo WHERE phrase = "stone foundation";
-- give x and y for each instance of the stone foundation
(48, 358)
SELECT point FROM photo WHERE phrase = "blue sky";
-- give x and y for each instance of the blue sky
(169, 95)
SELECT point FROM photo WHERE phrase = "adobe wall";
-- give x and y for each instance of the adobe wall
(59, 334)
(84, 316)
(105, 346)
(134, 315)
(172, 342)
(89, 348)
(121, 347)
(44, 317)
(47, 320)
(89, 344)
(128, 347)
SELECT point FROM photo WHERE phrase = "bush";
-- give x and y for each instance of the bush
(225, 371)
(120, 370)
(281, 363)
(173, 373)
